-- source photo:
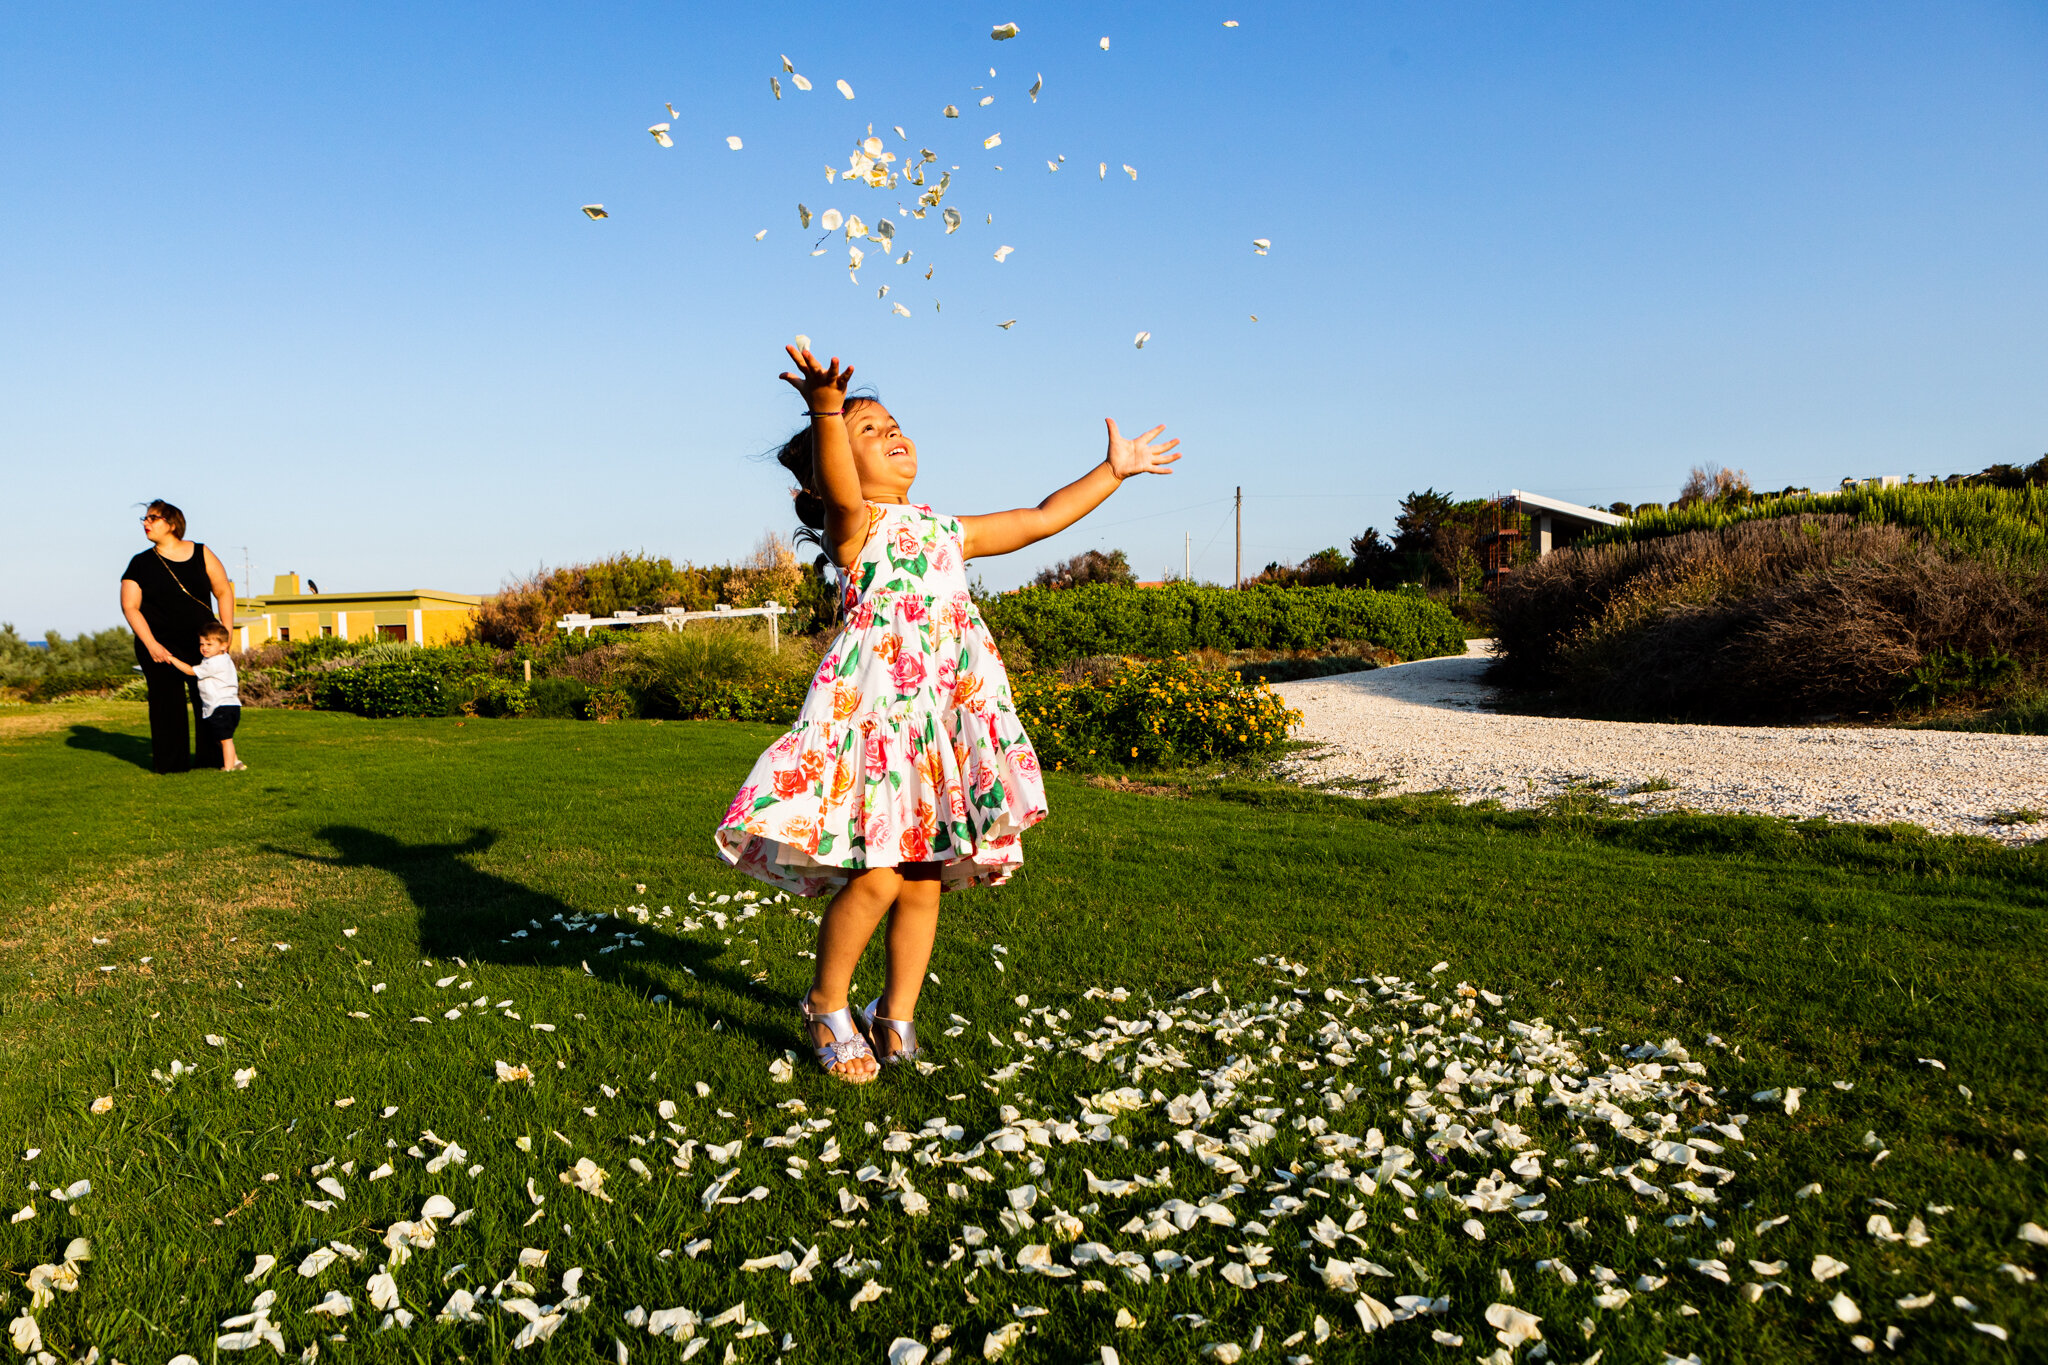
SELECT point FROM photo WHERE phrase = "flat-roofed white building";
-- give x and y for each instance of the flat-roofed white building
(1554, 522)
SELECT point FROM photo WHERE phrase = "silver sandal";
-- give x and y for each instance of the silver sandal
(905, 1031)
(848, 1042)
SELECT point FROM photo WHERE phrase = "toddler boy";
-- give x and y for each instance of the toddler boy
(220, 704)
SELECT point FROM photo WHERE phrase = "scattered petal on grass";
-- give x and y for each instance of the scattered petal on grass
(1512, 1326)
(26, 1335)
(103, 1105)
(1844, 1308)
(1002, 1339)
(587, 1176)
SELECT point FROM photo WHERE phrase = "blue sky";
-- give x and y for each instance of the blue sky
(317, 274)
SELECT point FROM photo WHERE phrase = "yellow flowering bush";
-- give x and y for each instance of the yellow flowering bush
(1149, 713)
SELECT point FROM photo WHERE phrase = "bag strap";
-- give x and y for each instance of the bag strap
(197, 550)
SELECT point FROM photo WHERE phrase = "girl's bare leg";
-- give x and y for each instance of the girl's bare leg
(913, 925)
(849, 922)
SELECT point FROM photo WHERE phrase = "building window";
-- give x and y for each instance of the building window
(284, 633)
(391, 632)
(326, 630)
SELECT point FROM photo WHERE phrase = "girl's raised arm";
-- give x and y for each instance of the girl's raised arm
(998, 533)
(824, 394)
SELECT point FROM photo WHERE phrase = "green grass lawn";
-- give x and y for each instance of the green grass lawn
(305, 913)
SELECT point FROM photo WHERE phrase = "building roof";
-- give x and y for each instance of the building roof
(344, 601)
(1560, 508)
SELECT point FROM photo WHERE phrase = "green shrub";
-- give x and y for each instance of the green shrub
(560, 698)
(776, 701)
(1073, 623)
(91, 682)
(1294, 670)
(2009, 521)
(1772, 619)
(100, 654)
(1161, 713)
(389, 680)
(2026, 714)
(713, 669)
(494, 698)
(384, 690)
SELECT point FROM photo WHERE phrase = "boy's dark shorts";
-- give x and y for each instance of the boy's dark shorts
(221, 724)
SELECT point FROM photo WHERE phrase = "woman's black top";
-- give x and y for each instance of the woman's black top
(173, 601)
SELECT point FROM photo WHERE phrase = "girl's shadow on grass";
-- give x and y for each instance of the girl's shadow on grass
(472, 914)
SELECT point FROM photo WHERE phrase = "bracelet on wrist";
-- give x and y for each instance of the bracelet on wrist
(840, 413)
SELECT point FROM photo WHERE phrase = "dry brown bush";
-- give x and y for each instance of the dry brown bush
(1765, 620)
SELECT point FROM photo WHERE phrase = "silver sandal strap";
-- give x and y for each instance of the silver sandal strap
(847, 1043)
(905, 1031)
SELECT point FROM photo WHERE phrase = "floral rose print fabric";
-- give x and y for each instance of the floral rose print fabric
(908, 748)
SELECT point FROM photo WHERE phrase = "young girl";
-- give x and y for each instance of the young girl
(907, 772)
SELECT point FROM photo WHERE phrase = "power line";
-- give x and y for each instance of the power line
(1170, 512)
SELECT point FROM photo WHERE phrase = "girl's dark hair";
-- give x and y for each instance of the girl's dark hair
(799, 456)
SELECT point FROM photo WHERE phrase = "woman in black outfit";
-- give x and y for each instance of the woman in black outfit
(167, 594)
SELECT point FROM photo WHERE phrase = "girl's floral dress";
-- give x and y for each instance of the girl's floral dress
(908, 748)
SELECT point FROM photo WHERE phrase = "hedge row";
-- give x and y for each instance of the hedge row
(1158, 713)
(1061, 624)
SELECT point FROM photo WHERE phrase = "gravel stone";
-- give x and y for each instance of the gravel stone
(1428, 726)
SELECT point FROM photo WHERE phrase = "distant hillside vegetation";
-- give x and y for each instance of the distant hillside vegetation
(1867, 603)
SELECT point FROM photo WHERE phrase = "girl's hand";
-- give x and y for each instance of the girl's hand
(1128, 456)
(823, 388)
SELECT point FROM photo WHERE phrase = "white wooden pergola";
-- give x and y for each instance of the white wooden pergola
(675, 618)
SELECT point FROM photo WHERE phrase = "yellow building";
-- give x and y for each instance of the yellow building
(421, 616)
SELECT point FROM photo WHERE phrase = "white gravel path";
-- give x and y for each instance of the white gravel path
(1427, 726)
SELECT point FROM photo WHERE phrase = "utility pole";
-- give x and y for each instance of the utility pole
(1238, 582)
(247, 590)
(1187, 556)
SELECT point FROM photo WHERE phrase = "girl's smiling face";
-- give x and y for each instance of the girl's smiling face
(883, 457)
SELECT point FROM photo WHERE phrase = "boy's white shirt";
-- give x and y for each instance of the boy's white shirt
(217, 683)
